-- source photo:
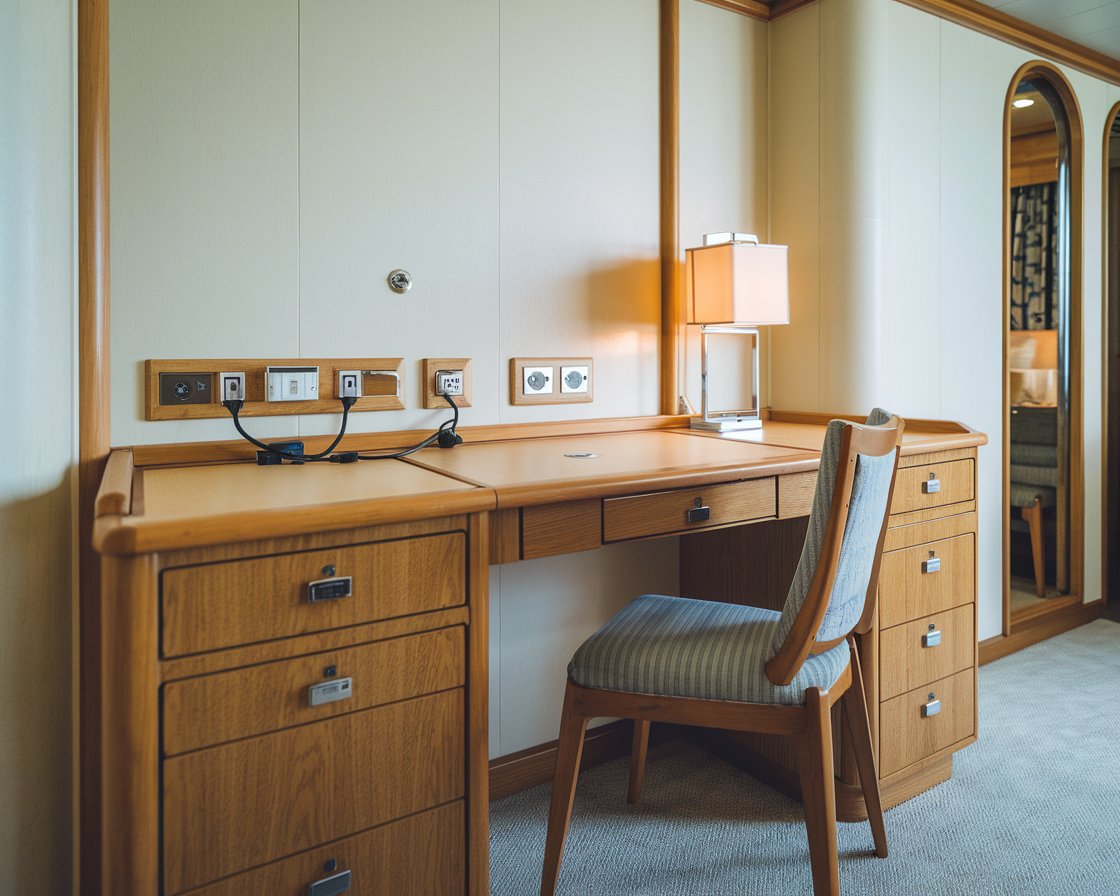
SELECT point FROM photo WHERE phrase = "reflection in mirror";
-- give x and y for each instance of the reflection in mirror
(1038, 350)
(1112, 369)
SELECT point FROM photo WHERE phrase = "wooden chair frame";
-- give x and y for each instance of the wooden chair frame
(809, 723)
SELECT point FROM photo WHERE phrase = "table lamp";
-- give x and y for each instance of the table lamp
(734, 286)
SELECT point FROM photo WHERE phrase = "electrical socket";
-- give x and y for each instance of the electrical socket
(574, 379)
(449, 382)
(233, 386)
(291, 383)
(349, 384)
(537, 380)
(560, 380)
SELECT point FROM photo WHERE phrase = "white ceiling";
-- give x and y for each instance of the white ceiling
(1092, 23)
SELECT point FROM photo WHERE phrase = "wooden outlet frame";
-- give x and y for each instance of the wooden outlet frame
(255, 403)
(428, 368)
(518, 396)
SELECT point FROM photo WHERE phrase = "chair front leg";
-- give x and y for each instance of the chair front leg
(568, 753)
(818, 793)
(638, 749)
(859, 729)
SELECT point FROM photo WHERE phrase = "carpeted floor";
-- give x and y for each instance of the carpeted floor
(1033, 808)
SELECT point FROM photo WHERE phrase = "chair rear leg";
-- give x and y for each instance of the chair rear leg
(568, 753)
(1033, 516)
(818, 793)
(859, 729)
(638, 749)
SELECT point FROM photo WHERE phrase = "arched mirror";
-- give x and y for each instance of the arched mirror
(1112, 352)
(1042, 537)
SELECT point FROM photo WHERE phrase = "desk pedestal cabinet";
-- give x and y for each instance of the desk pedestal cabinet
(919, 660)
(281, 744)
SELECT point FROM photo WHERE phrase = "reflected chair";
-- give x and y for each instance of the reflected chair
(720, 665)
(1034, 477)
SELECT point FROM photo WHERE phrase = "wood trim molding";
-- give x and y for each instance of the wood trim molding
(670, 22)
(1041, 630)
(93, 424)
(998, 24)
(1107, 471)
(756, 9)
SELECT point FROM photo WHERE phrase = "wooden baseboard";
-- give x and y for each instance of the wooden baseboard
(536, 765)
(1040, 628)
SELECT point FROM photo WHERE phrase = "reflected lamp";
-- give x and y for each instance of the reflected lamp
(734, 285)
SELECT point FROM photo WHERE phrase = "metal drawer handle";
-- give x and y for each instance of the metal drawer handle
(330, 886)
(932, 485)
(330, 691)
(698, 513)
(933, 564)
(932, 707)
(931, 638)
(330, 589)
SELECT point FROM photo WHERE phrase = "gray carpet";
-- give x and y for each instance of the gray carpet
(1033, 807)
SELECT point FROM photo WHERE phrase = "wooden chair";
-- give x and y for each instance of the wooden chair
(727, 666)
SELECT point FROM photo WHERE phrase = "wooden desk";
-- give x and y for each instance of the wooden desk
(219, 777)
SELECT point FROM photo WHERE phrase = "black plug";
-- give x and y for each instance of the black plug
(448, 438)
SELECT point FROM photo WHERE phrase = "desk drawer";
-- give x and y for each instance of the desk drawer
(243, 804)
(662, 513)
(212, 709)
(933, 485)
(909, 588)
(242, 601)
(417, 856)
(907, 661)
(906, 735)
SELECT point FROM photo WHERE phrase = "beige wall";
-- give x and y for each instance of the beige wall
(36, 337)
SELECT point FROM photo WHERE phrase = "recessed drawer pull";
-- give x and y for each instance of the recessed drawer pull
(933, 564)
(932, 485)
(699, 513)
(931, 638)
(330, 691)
(330, 589)
(330, 886)
(932, 707)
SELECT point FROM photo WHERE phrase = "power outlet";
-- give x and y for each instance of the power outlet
(233, 386)
(550, 380)
(349, 384)
(449, 382)
(450, 376)
(574, 380)
(536, 380)
(292, 383)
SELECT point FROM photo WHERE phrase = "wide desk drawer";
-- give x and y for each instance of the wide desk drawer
(686, 509)
(933, 485)
(236, 602)
(927, 578)
(416, 856)
(913, 654)
(212, 709)
(920, 722)
(243, 804)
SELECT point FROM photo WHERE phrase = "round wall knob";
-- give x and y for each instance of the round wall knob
(400, 281)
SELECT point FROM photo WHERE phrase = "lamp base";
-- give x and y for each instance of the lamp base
(731, 424)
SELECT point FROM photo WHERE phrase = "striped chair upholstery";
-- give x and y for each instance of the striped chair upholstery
(680, 647)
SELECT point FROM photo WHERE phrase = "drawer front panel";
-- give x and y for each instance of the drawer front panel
(926, 650)
(243, 804)
(212, 709)
(933, 485)
(906, 735)
(244, 601)
(928, 578)
(661, 513)
(417, 856)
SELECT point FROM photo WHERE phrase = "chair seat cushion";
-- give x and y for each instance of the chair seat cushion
(1023, 495)
(1021, 474)
(1034, 455)
(677, 647)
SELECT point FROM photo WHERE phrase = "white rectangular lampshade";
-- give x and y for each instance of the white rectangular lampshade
(737, 283)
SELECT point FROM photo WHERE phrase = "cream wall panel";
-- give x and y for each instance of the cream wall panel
(579, 197)
(723, 152)
(912, 332)
(795, 151)
(548, 608)
(975, 74)
(204, 255)
(398, 168)
(37, 326)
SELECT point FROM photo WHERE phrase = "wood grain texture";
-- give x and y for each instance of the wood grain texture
(907, 593)
(905, 664)
(957, 480)
(416, 856)
(795, 495)
(907, 737)
(756, 9)
(232, 807)
(910, 534)
(212, 709)
(1041, 629)
(669, 30)
(244, 601)
(114, 496)
(256, 402)
(561, 528)
(505, 536)
(663, 513)
(94, 436)
(478, 708)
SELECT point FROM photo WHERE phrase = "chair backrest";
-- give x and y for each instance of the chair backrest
(833, 590)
